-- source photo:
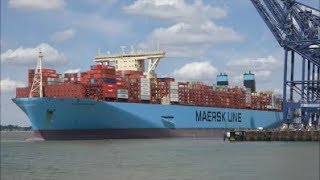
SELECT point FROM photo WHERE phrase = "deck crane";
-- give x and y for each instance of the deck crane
(296, 27)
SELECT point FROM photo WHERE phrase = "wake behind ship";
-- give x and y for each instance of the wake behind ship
(123, 101)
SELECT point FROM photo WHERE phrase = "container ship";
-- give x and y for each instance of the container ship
(118, 98)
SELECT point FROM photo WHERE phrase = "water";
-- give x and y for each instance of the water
(157, 159)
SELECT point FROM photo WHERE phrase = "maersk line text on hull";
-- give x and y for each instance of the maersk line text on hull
(218, 116)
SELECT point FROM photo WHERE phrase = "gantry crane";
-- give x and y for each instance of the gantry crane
(296, 27)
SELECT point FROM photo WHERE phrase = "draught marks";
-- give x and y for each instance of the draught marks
(49, 115)
(252, 124)
(168, 121)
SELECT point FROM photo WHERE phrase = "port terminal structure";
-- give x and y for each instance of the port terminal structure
(296, 27)
(133, 61)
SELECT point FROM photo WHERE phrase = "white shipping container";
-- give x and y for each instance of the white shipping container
(54, 79)
(145, 85)
(269, 107)
(145, 97)
(145, 89)
(248, 98)
(174, 91)
(122, 91)
(123, 96)
(145, 93)
(174, 85)
(174, 95)
(144, 80)
(174, 99)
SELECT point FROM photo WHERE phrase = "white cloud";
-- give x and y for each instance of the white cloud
(182, 33)
(72, 70)
(28, 56)
(263, 68)
(98, 23)
(8, 85)
(37, 4)
(63, 35)
(268, 63)
(185, 39)
(101, 3)
(175, 10)
(196, 71)
(192, 33)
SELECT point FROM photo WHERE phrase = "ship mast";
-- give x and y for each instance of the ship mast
(36, 88)
(133, 60)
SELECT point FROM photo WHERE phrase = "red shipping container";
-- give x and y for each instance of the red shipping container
(108, 67)
(52, 71)
(120, 83)
(110, 94)
(105, 85)
(108, 76)
(130, 72)
(119, 78)
(111, 90)
(71, 90)
(98, 66)
(23, 92)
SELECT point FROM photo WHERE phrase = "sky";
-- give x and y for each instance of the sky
(201, 38)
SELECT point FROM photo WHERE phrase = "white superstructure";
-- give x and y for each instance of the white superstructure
(134, 61)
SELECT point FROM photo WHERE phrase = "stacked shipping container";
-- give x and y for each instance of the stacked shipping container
(22, 92)
(174, 92)
(73, 77)
(65, 90)
(102, 82)
(145, 92)
(103, 75)
(47, 76)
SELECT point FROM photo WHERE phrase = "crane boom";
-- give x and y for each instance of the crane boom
(296, 27)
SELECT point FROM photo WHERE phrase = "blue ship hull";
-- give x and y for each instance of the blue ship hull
(69, 118)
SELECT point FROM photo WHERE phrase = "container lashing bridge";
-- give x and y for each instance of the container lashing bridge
(296, 27)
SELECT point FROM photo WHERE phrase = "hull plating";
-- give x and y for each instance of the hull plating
(90, 134)
(80, 116)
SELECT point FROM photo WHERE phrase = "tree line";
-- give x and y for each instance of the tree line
(15, 128)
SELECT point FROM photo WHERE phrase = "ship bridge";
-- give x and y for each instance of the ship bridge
(134, 61)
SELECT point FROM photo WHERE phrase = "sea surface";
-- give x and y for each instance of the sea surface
(143, 159)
